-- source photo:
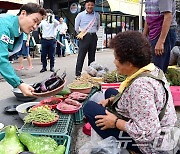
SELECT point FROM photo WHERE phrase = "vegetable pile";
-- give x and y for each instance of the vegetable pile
(49, 84)
(41, 114)
(14, 144)
(79, 85)
(173, 77)
(114, 77)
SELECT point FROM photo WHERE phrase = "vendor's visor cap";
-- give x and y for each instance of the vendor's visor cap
(90, 1)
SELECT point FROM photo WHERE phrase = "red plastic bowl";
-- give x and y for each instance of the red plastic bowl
(38, 105)
(39, 124)
(67, 111)
(45, 101)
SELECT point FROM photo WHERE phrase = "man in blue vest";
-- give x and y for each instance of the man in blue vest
(11, 30)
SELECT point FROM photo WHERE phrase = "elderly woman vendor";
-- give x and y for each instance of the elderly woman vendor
(142, 108)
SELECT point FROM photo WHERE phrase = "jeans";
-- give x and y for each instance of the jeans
(48, 49)
(162, 61)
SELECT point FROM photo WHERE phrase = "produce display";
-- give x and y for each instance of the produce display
(78, 96)
(10, 144)
(69, 106)
(51, 101)
(41, 114)
(49, 84)
(114, 77)
(79, 85)
(173, 76)
(15, 143)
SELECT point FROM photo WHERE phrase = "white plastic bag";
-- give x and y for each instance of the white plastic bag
(106, 146)
(98, 96)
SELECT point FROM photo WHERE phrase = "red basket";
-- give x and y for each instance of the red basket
(175, 90)
(40, 124)
(105, 86)
(48, 100)
(67, 111)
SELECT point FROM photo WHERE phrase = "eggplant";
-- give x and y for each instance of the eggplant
(63, 76)
(47, 83)
(58, 82)
(37, 87)
(51, 83)
(54, 73)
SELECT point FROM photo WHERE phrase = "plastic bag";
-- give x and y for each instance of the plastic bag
(98, 96)
(106, 146)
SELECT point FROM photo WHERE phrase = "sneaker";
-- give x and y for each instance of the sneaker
(19, 68)
(30, 67)
(43, 70)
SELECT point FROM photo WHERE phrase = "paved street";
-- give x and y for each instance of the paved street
(67, 63)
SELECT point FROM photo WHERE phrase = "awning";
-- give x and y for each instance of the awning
(131, 7)
(14, 4)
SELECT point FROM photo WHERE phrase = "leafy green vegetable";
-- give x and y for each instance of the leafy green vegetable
(114, 77)
(173, 77)
(10, 144)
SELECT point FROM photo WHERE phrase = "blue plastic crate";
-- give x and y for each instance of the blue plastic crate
(63, 126)
(60, 139)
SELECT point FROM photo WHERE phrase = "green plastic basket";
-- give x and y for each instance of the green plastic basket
(60, 139)
(63, 126)
(79, 116)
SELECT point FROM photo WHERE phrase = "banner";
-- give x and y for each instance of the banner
(131, 7)
(20, 1)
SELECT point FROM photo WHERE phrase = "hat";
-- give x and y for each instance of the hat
(90, 1)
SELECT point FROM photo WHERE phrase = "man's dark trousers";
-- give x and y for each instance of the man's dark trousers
(87, 44)
(48, 48)
(60, 51)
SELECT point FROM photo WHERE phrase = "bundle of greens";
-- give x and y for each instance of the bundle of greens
(114, 77)
(173, 76)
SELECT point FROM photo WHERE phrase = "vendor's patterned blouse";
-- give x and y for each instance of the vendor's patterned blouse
(142, 102)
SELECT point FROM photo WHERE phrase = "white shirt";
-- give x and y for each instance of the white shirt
(48, 29)
(62, 28)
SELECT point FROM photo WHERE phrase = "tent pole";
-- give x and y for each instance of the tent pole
(140, 15)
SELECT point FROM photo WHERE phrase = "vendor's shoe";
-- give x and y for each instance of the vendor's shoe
(19, 68)
(43, 70)
(52, 70)
(87, 129)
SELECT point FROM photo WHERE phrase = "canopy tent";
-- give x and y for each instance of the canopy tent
(132, 7)
(14, 4)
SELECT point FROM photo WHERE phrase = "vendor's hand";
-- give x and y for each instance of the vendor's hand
(105, 121)
(26, 89)
(103, 102)
(159, 48)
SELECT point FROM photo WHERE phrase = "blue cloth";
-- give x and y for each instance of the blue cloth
(163, 61)
(91, 109)
(83, 19)
(24, 50)
(9, 40)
